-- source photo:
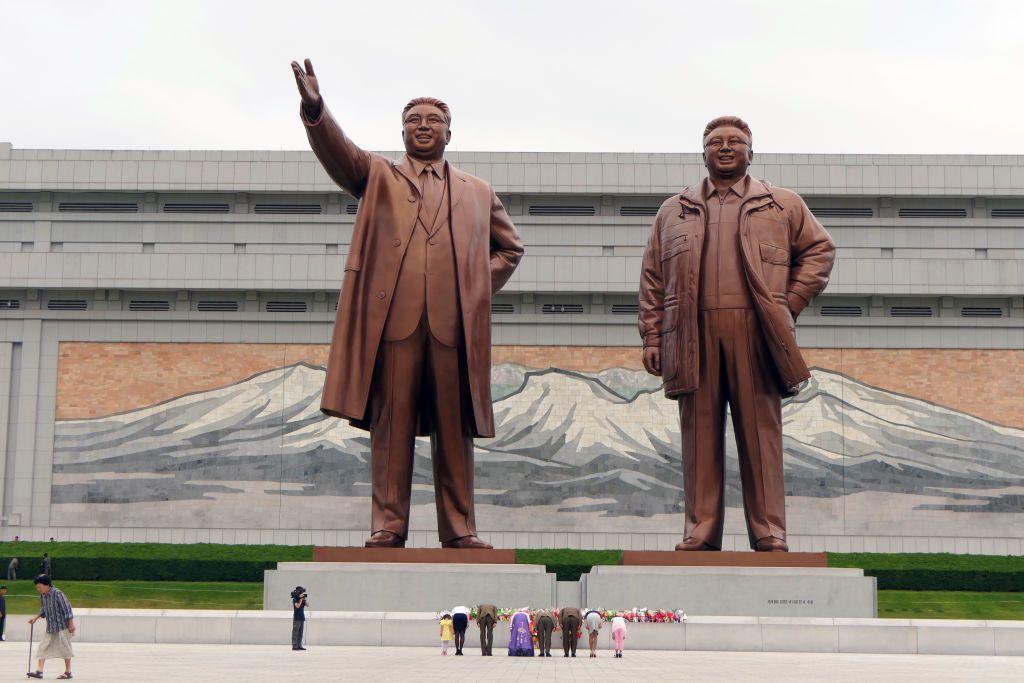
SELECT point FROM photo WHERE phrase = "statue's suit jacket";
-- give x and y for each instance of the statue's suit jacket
(487, 251)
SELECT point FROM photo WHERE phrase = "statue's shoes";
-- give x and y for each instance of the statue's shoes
(694, 544)
(770, 544)
(467, 542)
(385, 539)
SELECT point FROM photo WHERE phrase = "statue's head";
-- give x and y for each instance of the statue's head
(426, 129)
(728, 147)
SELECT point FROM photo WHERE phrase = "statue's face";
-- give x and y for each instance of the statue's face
(727, 151)
(425, 132)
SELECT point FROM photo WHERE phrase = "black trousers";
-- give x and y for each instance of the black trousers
(545, 625)
(460, 622)
(297, 628)
(570, 635)
(486, 636)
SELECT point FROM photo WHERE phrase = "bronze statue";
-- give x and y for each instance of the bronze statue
(729, 266)
(411, 349)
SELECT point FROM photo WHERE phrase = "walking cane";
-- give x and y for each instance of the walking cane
(31, 628)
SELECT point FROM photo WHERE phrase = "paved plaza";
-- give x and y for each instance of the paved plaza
(109, 662)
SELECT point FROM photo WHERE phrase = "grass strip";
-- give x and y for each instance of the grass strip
(900, 604)
(22, 597)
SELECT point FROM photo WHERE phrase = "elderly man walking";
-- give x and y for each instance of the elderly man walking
(60, 626)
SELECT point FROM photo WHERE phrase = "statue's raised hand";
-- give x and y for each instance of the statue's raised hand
(309, 89)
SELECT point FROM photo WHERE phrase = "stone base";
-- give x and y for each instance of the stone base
(407, 587)
(414, 555)
(724, 558)
(734, 591)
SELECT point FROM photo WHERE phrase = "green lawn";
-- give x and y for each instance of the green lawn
(23, 599)
(950, 605)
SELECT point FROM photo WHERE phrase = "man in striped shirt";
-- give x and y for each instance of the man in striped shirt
(60, 626)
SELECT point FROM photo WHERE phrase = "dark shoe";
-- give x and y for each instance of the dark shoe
(770, 544)
(691, 544)
(298, 648)
(35, 674)
(566, 654)
(468, 542)
(65, 676)
(385, 539)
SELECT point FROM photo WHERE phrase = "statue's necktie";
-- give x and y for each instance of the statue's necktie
(431, 187)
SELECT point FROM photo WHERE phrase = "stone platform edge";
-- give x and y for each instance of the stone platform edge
(631, 558)
(416, 629)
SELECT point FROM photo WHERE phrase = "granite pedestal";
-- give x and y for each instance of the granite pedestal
(734, 591)
(407, 587)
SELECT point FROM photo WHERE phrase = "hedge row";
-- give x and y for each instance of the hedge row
(31, 551)
(568, 564)
(136, 569)
(151, 561)
(947, 580)
(937, 571)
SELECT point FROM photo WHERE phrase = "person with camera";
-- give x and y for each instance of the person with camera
(299, 602)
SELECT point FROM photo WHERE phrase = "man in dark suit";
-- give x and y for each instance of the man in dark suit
(545, 624)
(486, 618)
(411, 347)
(570, 620)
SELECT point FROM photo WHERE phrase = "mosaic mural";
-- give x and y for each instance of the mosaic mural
(575, 450)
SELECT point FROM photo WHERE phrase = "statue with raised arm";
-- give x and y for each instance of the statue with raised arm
(411, 349)
(730, 264)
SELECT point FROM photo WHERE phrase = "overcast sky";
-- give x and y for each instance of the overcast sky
(628, 75)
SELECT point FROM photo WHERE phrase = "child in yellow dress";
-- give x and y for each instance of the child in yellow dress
(447, 633)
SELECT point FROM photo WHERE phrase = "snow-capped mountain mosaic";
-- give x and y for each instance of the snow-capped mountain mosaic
(601, 447)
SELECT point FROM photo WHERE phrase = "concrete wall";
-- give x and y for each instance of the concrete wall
(744, 634)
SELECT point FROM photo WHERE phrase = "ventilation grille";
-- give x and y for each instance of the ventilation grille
(12, 207)
(66, 305)
(562, 308)
(503, 308)
(842, 311)
(559, 210)
(99, 207)
(149, 305)
(933, 213)
(9, 304)
(352, 209)
(910, 311)
(625, 309)
(848, 212)
(217, 306)
(638, 211)
(288, 208)
(981, 312)
(197, 208)
(286, 307)
(996, 213)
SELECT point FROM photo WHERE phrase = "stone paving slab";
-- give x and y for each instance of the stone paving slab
(113, 662)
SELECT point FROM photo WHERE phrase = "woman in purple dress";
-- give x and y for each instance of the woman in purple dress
(520, 640)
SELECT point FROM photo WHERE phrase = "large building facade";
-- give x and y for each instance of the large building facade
(164, 320)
